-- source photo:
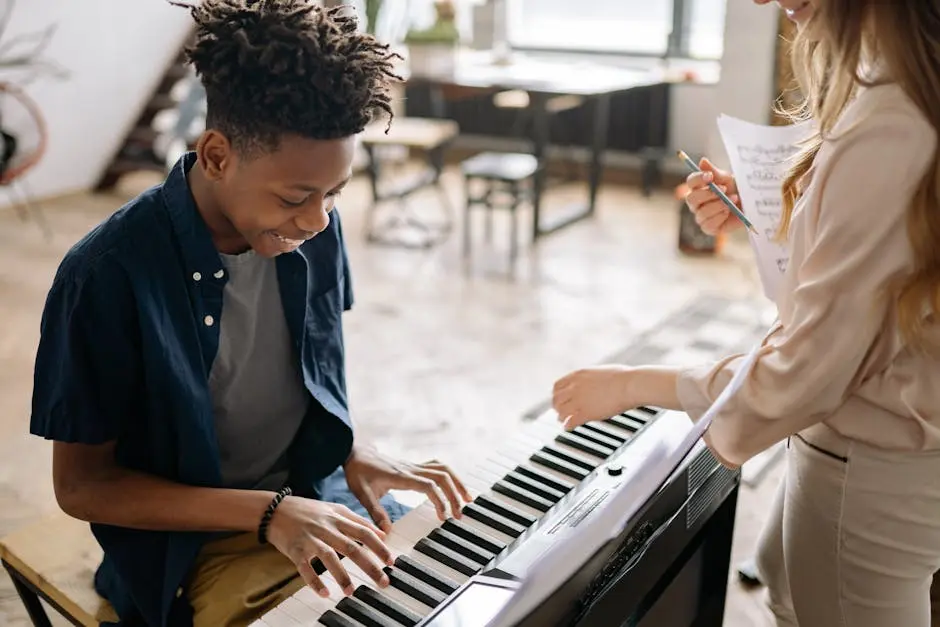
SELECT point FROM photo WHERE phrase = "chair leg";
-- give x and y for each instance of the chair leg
(468, 205)
(30, 599)
(513, 232)
(30, 207)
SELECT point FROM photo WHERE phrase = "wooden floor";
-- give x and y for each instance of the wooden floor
(443, 356)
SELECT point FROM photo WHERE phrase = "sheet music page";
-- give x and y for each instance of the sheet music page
(759, 158)
(656, 461)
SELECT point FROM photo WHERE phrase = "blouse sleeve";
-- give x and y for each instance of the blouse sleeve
(856, 246)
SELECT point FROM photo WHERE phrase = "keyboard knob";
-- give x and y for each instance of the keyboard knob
(615, 470)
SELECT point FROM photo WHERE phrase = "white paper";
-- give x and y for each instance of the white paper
(700, 427)
(656, 459)
(759, 158)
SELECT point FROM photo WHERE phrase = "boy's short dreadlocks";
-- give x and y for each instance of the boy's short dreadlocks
(287, 67)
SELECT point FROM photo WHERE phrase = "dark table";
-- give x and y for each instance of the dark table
(544, 79)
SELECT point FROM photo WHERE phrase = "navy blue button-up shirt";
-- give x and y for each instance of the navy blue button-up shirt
(129, 333)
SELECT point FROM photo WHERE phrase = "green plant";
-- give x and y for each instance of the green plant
(443, 31)
(373, 9)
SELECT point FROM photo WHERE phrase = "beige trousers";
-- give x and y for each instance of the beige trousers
(853, 538)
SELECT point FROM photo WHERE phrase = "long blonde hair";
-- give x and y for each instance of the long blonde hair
(904, 37)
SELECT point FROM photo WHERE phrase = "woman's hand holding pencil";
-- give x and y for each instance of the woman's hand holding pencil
(711, 213)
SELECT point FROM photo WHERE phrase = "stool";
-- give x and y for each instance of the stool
(507, 179)
(554, 106)
(430, 135)
(55, 560)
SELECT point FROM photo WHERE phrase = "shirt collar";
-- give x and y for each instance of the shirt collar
(199, 253)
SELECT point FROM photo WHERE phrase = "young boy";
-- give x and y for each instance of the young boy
(191, 365)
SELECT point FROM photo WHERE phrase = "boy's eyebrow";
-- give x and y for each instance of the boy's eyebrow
(311, 189)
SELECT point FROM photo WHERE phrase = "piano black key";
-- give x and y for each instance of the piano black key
(541, 477)
(510, 513)
(368, 616)
(584, 445)
(414, 588)
(623, 422)
(387, 606)
(649, 412)
(570, 458)
(534, 486)
(447, 557)
(559, 465)
(459, 545)
(426, 575)
(522, 495)
(493, 521)
(597, 438)
(335, 619)
(602, 429)
(461, 530)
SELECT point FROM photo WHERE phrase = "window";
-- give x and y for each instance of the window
(705, 28)
(619, 26)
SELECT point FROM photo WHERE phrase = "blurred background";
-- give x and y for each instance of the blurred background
(522, 218)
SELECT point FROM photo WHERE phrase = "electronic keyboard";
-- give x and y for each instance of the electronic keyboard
(669, 565)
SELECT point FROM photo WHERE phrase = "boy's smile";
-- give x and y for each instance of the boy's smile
(273, 200)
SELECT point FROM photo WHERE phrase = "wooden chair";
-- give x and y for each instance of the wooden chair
(23, 162)
(432, 137)
(55, 560)
(507, 180)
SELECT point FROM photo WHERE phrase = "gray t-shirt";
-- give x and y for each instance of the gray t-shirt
(258, 395)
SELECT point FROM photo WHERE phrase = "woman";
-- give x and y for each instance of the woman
(847, 374)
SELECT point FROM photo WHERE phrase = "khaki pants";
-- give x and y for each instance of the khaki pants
(236, 580)
(853, 539)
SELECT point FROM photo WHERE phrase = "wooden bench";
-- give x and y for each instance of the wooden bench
(430, 136)
(55, 560)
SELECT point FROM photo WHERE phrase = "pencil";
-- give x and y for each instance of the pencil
(721, 194)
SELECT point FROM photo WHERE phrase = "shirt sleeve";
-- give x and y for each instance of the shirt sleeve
(857, 245)
(87, 368)
(348, 298)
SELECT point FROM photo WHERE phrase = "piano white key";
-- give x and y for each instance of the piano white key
(281, 617)
(314, 604)
(318, 605)
(434, 565)
(536, 443)
(301, 611)
(501, 461)
(361, 579)
(590, 459)
(484, 478)
(509, 502)
(521, 453)
(418, 523)
(487, 531)
(554, 474)
(479, 481)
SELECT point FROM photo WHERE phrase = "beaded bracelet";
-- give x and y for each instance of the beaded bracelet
(268, 513)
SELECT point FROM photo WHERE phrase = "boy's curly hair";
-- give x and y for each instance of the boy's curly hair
(287, 67)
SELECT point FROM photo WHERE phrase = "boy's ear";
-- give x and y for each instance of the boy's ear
(215, 154)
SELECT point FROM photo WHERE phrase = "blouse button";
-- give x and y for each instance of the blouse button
(219, 274)
(209, 320)
(196, 276)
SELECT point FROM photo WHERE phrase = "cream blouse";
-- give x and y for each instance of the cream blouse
(835, 354)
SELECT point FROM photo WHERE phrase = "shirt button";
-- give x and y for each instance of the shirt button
(196, 276)
(179, 592)
(209, 320)
(219, 274)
